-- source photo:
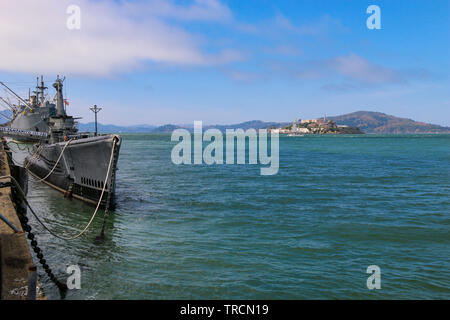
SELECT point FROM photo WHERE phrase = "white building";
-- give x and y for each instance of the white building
(303, 130)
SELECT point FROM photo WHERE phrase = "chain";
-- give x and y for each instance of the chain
(34, 245)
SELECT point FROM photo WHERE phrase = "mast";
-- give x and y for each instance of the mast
(35, 91)
(40, 94)
(58, 85)
(42, 88)
(95, 110)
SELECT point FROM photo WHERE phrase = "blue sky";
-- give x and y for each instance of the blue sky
(157, 62)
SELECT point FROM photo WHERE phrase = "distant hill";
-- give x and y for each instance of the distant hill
(377, 122)
(168, 128)
(255, 124)
(107, 128)
(367, 121)
(110, 128)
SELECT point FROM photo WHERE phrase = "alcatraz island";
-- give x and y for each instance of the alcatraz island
(316, 126)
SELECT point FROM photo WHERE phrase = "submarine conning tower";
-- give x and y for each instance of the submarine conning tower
(61, 126)
(58, 85)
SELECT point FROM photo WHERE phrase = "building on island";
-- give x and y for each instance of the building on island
(315, 126)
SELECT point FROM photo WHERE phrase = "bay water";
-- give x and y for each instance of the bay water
(337, 205)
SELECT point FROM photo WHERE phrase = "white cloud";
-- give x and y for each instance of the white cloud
(113, 37)
(346, 73)
(280, 24)
(361, 70)
(206, 10)
(351, 67)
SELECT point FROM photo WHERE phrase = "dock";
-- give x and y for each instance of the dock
(15, 253)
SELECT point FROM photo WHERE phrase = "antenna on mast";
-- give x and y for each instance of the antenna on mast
(95, 110)
(41, 89)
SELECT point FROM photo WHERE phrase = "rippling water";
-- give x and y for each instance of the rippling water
(337, 205)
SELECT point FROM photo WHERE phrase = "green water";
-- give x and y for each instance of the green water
(337, 205)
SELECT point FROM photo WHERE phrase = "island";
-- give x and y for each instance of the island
(316, 126)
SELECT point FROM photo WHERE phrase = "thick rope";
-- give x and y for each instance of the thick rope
(22, 194)
(57, 161)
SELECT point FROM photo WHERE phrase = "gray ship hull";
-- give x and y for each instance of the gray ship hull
(82, 169)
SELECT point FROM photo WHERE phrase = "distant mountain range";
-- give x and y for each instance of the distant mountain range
(255, 124)
(111, 128)
(377, 122)
(367, 121)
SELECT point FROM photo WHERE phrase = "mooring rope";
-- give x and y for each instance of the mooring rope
(56, 164)
(23, 196)
(36, 155)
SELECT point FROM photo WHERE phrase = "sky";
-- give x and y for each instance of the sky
(228, 61)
